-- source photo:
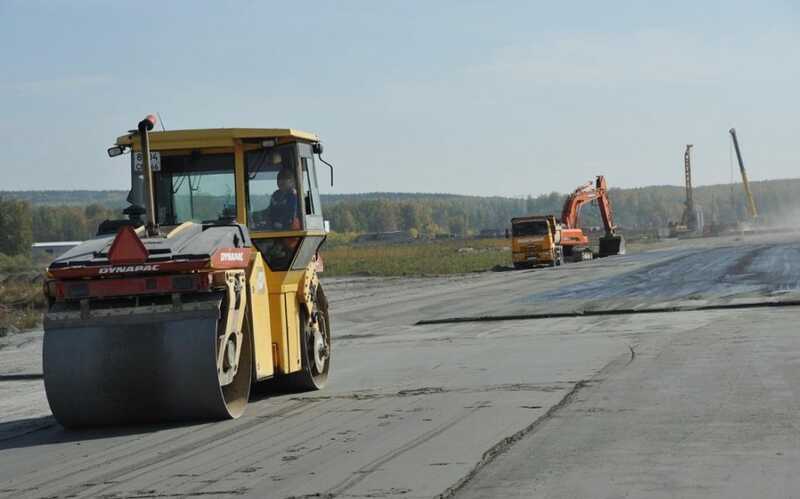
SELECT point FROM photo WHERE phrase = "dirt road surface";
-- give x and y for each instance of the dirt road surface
(689, 390)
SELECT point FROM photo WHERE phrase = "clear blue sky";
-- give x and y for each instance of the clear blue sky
(500, 98)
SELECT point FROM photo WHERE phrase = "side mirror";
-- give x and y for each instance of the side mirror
(115, 151)
(316, 147)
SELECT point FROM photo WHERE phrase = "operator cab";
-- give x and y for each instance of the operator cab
(284, 212)
(265, 179)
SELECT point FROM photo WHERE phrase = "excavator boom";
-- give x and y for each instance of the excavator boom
(597, 191)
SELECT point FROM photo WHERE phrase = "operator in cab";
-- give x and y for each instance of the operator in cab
(283, 213)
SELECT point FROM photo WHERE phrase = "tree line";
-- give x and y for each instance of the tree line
(22, 224)
(651, 207)
(26, 217)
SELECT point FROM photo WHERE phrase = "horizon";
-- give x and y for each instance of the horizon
(438, 193)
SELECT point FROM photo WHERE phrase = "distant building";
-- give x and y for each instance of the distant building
(52, 249)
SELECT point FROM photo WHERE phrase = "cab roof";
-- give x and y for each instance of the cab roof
(214, 137)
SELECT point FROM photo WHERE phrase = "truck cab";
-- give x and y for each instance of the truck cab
(536, 241)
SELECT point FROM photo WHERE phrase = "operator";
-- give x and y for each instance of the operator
(282, 213)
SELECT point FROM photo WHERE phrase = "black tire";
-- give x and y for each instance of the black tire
(310, 377)
(559, 255)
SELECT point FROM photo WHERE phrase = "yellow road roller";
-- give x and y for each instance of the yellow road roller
(207, 286)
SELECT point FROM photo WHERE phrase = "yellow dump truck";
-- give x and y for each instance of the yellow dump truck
(536, 240)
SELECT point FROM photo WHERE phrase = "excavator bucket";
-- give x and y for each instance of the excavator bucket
(612, 245)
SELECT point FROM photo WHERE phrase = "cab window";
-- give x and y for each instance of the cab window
(274, 200)
(195, 187)
(310, 188)
(533, 228)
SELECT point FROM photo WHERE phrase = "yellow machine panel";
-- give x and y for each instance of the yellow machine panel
(285, 331)
(259, 320)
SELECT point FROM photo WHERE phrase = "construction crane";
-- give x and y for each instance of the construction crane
(751, 204)
(689, 217)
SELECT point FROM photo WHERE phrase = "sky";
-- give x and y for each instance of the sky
(483, 98)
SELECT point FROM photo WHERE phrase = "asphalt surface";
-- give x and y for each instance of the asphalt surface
(691, 403)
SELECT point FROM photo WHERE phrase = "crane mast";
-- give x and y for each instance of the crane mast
(751, 205)
(689, 218)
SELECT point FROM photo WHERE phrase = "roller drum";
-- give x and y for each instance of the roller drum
(140, 368)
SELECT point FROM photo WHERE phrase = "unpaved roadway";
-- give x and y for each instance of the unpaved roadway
(494, 401)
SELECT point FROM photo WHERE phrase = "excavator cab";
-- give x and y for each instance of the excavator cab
(173, 317)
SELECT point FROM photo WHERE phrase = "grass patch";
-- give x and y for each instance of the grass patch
(423, 258)
(416, 259)
(16, 263)
(21, 304)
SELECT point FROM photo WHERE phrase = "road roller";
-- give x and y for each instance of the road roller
(208, 285)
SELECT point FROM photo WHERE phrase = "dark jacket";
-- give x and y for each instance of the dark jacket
(283, 209)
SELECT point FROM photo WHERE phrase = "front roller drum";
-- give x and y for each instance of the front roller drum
(142, 368)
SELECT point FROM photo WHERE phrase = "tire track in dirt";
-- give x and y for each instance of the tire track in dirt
(172, 453)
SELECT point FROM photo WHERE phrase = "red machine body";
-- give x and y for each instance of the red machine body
(572, 236)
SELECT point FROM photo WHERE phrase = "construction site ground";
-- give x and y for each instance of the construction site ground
(672, 372)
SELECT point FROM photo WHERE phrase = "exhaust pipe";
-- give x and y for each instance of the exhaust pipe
(147, 124)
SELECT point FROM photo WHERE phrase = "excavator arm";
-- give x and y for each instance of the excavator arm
(604, 205)
(597, 191)
(570, 214)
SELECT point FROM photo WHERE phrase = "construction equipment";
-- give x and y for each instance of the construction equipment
(688, 219)
(691, 220)
(174, 317)
(573, 239)
(536, 240)
(751, 204)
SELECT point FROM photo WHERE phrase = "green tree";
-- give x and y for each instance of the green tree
(346, 221)
(16, 233)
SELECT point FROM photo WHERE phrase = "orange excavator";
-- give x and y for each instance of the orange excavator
(573, 239)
